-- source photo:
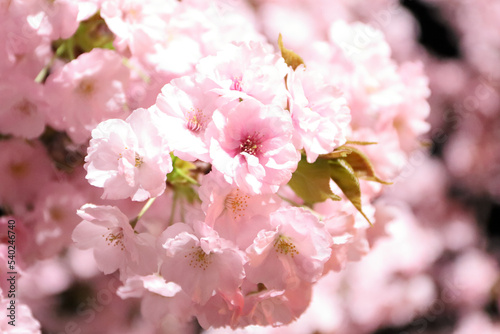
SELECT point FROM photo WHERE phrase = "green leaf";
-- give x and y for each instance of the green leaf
(344, 176)
(361, 165)
(311, 182)
(291, 58)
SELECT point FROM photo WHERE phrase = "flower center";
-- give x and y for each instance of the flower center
(236, 84)
(195, 120)
(251, 145)
(56, 214)
(236, 202)
(19, 169)
(198, 258)
(131, 13)
(115, 239)
(283, 245)
(86, 87)
(138, 160)
(25, 107)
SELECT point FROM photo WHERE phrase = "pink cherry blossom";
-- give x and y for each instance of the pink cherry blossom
(24, 169)
(319, 111)
(86, 91)
(23, 109)
(20, 38)
(54, 217)
(107, 231)
(363, 69)
(223, 22)
(247, 69)
(200, 262)
(55, 20)
(163, 303)
(155, 30)
(251, 145)
(189, 105)
(276, 307)
(348, 229)
(137, 25)
(234, 214)
(129, 158)
(220, 310)
(293, 251)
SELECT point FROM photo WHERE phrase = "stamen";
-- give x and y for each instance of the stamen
(86, 87)
(25, 107)
(251, 145)
(20, 169)
(236, 84)
(283, 245)
(56, 214)
(115, 239)
(236, 203)
(196, 120)
(138, 160)
(198, 258)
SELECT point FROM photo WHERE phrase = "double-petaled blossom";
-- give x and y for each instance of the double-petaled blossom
(319, 111)
(129, 158)
(200, 261)
(247, 70)
(23, 109)
(188, 105)
(138, 26)
(87, 91)
(294, 250)
(251, 144)
(24, 168)
(236, 215)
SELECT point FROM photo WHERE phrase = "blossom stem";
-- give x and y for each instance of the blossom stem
(178, 171)
(43, 73)
(172, 212)
(145, 208)
(187, 177)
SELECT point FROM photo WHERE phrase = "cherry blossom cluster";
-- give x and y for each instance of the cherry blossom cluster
(247, 115)
(215, 172)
